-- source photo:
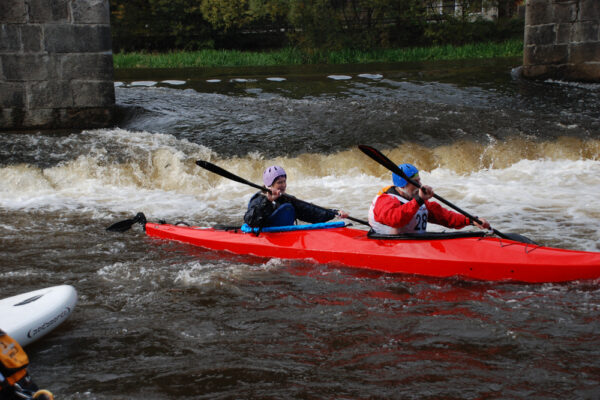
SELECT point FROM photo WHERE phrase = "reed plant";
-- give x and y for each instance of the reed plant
(296, 56)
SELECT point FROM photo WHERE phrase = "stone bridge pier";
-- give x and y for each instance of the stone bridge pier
(56, 64)
(562, 40)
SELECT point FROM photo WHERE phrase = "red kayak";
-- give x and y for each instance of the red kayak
(469, 255)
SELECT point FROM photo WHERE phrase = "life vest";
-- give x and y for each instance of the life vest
(13, 361)
(418, 223)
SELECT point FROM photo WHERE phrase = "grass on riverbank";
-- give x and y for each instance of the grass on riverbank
(293, 56)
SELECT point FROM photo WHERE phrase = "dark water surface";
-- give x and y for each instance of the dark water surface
(163, 320)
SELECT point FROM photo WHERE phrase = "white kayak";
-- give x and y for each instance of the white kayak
(29, 316)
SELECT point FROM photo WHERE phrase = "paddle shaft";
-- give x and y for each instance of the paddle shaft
(389, 164)
(226, 174)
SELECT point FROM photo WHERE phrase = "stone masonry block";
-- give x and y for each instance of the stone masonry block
(589, 72)
(22, 67)
(43, 118)
(540, 55)
(82, 118)
(12, 94)
(93, 93)
(589, 10)
(32, 38)
(546, 71)
(49, 94)
(563, 33)
(49, 11)
(534, 71)
(10, 38)
(540, 34)
(584, 52)
(584, 32)
(528, 56)
(13, 11)
(91, 12)
(93, 66)
(77, 38)
(538, 12)
(6, 118)
(565, 12)
(54, 68)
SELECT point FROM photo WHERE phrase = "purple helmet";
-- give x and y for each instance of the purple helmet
(271, 174)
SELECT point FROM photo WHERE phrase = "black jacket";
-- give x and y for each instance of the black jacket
(260, 208)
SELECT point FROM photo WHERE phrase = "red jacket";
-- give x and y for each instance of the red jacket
(391, 212)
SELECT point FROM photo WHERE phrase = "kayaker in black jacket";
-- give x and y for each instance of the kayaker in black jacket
(271, 209)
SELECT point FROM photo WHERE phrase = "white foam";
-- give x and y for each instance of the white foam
(570, 126)
(339, 77)
(213, 80)
(118, 84)
(540, 196)
(592, 86)
(276, 79)
(199, 275)
(143, 83)
(219, 276)
(242, 80)
(156, 174)
(159, 174)
(173, 82)
(371, 76)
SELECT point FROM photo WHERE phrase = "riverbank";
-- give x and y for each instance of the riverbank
(294, 56)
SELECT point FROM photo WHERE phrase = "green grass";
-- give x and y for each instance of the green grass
(294, 56)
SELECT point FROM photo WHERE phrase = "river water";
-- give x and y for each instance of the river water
(163, 320)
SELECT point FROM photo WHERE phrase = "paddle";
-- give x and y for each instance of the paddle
(226, 174)
(125, 225)
(389, 164)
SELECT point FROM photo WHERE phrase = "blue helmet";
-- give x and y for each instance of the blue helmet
(410, 170)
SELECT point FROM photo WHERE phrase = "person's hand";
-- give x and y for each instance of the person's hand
(484, 224)
(426, 192)
(342, 214)
(274, 194)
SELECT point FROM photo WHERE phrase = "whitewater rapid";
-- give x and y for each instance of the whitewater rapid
(549, 195)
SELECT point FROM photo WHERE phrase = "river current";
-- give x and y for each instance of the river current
(164, 320)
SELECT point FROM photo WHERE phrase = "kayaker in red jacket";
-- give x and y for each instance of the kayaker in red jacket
(271, 209)
(405, 208)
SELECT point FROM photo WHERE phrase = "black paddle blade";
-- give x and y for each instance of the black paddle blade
(123, 226)
(519, 238)
(383, 160)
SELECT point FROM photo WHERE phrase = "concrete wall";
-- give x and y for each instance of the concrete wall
(56, 65)
(562, 40)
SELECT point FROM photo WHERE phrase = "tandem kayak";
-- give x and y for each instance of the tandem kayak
(469, 255)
